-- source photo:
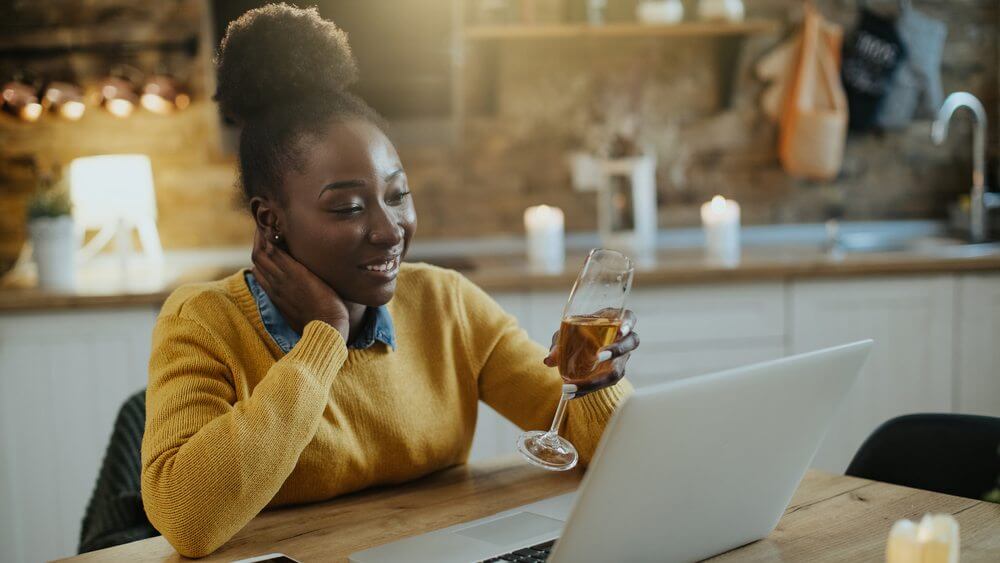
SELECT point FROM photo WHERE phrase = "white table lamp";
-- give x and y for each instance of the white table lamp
(114, 194)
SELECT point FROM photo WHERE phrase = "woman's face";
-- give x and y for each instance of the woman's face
(348, 214)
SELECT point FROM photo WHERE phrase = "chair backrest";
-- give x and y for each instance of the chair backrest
(956, 454)
(115, 514)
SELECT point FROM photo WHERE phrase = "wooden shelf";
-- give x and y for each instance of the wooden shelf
(566, 31)
(83, 38)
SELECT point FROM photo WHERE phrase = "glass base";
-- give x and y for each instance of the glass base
(548, 451)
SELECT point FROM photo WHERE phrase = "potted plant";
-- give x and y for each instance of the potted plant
(53, 239)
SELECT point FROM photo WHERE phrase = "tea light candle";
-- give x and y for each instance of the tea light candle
(720, 219)
(544, 227)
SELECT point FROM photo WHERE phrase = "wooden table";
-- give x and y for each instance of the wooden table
(830, 518)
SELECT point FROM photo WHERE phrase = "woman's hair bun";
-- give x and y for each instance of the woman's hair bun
(277, 55)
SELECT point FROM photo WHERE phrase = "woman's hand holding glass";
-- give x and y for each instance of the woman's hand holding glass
(590, 349)
(612, 358)
(299, 294)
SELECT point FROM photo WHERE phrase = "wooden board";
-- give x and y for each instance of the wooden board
(830, 518)
(510, 273)
(562, 31)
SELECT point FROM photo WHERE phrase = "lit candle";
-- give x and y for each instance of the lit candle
(720, 219)
(544, 227)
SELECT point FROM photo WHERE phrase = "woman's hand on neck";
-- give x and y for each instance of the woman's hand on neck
(300, 295)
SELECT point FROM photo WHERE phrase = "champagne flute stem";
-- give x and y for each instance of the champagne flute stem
(560, 415)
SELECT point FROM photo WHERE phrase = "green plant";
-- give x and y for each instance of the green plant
(51, 199)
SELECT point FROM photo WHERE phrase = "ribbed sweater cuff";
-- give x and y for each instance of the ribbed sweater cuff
(600, 405)
(321, 350)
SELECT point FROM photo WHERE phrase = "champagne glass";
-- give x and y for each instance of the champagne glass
(590, 321)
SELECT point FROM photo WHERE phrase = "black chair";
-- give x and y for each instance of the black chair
(115, 514)
(956, 454)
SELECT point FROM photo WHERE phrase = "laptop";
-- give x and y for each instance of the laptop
(685, 470)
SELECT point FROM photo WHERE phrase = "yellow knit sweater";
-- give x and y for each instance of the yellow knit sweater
(234, 426)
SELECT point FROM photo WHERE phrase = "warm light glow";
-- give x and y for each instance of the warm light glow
(720, 209)
(114, 193)
(718, 204)
(119, 107)
(31, 111)
(106, 187)
(541, 216)
(156, 104)
(64, 98)
(182, 101)
(72, 110)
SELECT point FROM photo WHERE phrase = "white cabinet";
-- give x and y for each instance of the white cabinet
(685, 331)
(693, 330)
(911, 366)
(63, 377)
(977, 384)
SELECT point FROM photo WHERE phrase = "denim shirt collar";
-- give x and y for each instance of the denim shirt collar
(377, 324)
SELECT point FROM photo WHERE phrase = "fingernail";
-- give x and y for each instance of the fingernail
(603, 356)
(626, 329)
(569, 389)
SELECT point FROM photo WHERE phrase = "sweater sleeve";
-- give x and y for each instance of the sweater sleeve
(211, 463)
(513, 380)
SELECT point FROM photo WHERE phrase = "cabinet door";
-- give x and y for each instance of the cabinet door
(693, 330)
(912, 323)
(978, 385)
(63, 377)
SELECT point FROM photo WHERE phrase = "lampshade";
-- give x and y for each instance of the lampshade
(65, 99)
(107, 188)
(20, 99)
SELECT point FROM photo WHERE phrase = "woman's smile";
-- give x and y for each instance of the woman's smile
(385, 267)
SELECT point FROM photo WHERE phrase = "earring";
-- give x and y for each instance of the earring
(277, 237)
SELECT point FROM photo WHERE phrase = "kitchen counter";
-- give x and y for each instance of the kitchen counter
(508, 272)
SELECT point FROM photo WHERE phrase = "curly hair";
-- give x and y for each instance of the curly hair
(283, 76)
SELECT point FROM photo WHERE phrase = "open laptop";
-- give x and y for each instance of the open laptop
(685, 470)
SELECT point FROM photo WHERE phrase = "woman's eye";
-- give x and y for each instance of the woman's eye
(400, 197)
(348, 210)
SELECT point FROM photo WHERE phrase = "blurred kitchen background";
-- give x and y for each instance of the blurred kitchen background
(850, 221)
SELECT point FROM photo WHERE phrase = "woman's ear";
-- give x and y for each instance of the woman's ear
(266, 216)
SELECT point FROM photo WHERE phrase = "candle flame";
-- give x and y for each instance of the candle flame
(718, 203)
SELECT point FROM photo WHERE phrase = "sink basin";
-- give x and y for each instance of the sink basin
(934, 246)
(960, 250)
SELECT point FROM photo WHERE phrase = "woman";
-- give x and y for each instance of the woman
(330, 366)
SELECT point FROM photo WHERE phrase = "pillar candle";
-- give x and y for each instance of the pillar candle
(544, 228)
(720, 220)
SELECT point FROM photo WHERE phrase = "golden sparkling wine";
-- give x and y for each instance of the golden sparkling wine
(580, 339)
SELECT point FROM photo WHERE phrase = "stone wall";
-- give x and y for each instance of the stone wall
(513, 149)
(705, 145)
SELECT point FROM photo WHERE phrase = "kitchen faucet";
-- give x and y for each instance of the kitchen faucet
(981, 200)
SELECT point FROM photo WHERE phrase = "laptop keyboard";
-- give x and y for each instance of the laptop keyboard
(531, 554)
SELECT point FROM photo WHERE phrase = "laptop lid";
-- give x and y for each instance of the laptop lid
(695, 467)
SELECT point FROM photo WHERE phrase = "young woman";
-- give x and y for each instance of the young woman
(330, 366)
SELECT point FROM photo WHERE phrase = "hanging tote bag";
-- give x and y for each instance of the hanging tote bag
(814, 119)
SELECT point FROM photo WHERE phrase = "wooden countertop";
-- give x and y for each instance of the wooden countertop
(509, 273)
(830, 518)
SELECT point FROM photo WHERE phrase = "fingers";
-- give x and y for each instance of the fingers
(620, 347)
(553, 358)
(263, 259)
(628, 322)
(606, 375)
